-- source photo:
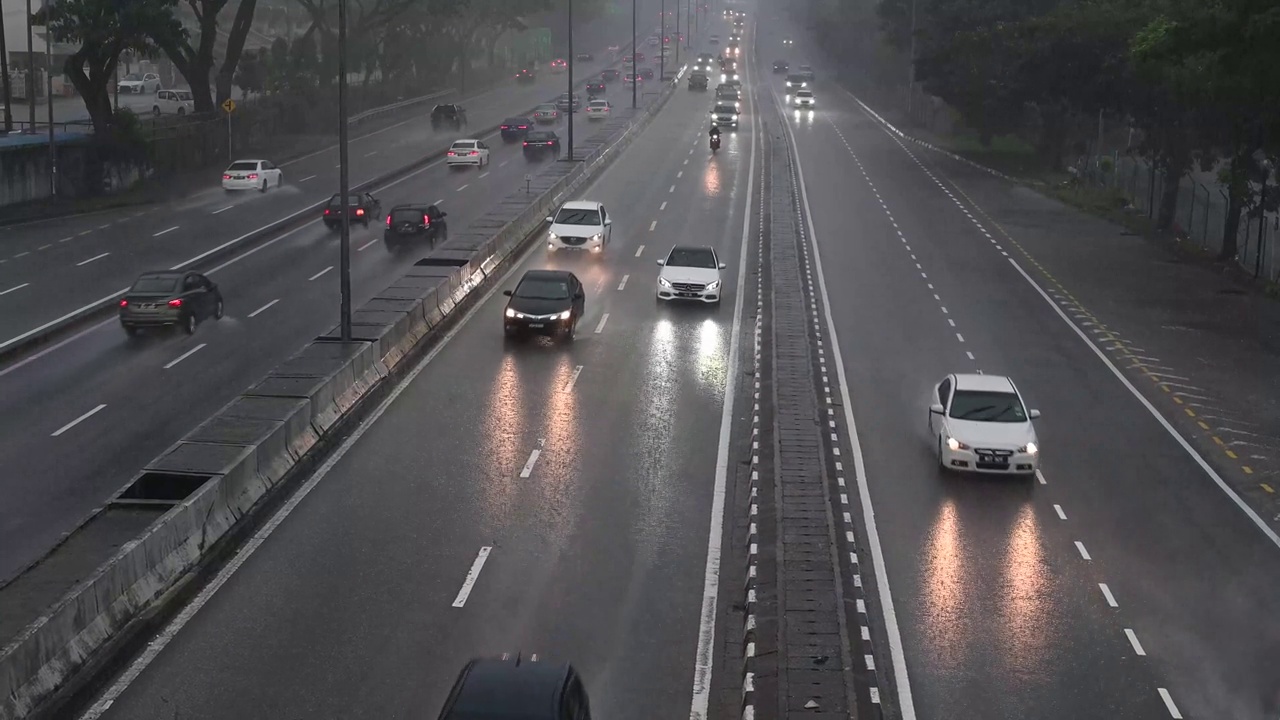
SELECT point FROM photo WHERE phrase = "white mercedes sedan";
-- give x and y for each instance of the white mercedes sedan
(980, 424)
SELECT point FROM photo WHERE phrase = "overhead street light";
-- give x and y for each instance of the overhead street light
(573, 59)
(635, 76)
(344, 189)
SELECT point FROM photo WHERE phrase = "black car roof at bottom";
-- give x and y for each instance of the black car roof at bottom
(545, 275)
(541, 136)
(516, 121)
(490, 689)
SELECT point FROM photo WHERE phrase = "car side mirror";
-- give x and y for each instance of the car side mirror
(723, 266)
(936, 409)
(507, 293)
(608, 222)
(550, 219)
(1033, 414)
(662, 262)
(579, 295)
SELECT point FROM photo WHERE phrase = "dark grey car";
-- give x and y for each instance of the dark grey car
(488, 689)
(167, 299)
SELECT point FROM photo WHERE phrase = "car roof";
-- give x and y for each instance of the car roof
(581, 205)
(516, 118)
(692, 247)
(491, 688)
(462, 140)
(989, 383)
(166, 274)
(545, 275)
(233, 162)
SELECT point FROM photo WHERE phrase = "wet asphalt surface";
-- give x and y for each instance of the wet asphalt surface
(596, 557)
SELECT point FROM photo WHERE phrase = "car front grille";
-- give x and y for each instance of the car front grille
(689, 287)
(575, 241)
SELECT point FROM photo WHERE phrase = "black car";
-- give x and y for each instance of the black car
(515, 128)
(611, 75)
(780, 67)
(541, 142)
(165, 299)
(646, 73)
(586, 57)
(412, 223)
(596, 88)
(517, 690)
(363, 207)
(526, 76)
(563, 102)
(545, 302)
(698, 81)
(448, 116)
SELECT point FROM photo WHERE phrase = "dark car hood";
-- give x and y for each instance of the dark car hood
(530, 306)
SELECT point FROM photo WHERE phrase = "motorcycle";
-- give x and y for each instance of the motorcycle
(715, 143)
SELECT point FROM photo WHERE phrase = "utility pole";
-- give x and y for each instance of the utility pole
(344, 189)
(635, 77)
(662, 43)
(572, 61)
(48, 78)
(911, 71)
(4, 73)
(31, 73)
(677, 42)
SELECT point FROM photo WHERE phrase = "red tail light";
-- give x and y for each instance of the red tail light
(506, 127)
(226, 177)
(524, 127)
(452, 153)
(474, 152)
(253, 176)
(359, 212)
(326, 211)
(175, 303)
(388, 221)
(426, 219)
(124, 303)
(526, 143)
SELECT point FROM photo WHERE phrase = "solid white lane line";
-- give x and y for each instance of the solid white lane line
(639, 250)
(306, 178)
(703, 657)
(184, 355)
(215, 212)
(604, 319)
(472, 575)
(464, 186)
(1168, 704)
(621, 285)
(362, 247)
(322, 272)
(653, 225)
(167, 230)
(573, 378)
(78, 420)
(902, 680)
(264, 307)
(1168, 428)
(1058, 509)
(371, 153)
(1106, 593)
(95, 257)
(19, 287)
(663, 206)
(1133, 640)
(527, 470)
(485, 173)
(1083, 553)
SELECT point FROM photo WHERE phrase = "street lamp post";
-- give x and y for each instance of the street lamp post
(4, 77)
(677, 42)
(344, 257)
(662, 42)
(911, 76)
(572, 61)
(48, 78)
(31, 73)
(635, 78)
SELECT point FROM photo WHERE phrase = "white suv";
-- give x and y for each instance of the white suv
(690, 272)
(580, 225)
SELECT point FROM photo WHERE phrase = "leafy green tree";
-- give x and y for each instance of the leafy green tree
(194, 56)
(103, 30)
(251, 76)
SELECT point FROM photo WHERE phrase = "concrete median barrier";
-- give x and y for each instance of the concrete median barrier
(222, 470)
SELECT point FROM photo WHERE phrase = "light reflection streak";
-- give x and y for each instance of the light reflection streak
(658, 457)
(504, 439)
(946, 585)
(711, 182)
(557, 472)
(712, 359)
(1025, 627)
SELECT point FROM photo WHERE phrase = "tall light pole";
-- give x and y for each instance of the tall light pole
(911, 76)
(688, 24)
(4, 78)
(48, 78)
(31, 73)
(635, 77)
(344, 257)
(572, 61)
(677, 42)
(662, 42)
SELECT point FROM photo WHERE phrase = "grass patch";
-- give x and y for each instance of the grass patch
(1107, 203)
(1009, 154)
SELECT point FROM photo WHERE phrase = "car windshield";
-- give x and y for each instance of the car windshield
(804, 93)
(692, 257)
(464, 145)
(987, 406)
(514, 121)
(546, 108)
(243, 165)
(133, 76)
(155, 284)
(543, 289)
(540, 137)
(407, 215)
(351, 200)
(575, 216)
(183, 94)
(725, 109)
(795, 78)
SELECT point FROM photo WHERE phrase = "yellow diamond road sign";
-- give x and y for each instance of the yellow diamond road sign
(229, 105)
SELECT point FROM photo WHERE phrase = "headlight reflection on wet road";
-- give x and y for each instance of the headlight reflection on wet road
(504, 438)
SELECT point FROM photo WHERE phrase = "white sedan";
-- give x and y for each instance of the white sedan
(980, 423)
(598, 109)
(468, 152)
(252, 175)
(139, 83)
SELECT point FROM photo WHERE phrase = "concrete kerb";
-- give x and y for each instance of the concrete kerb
(243, 451)
(101, 309)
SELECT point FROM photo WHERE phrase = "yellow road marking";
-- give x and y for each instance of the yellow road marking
(1267, 487)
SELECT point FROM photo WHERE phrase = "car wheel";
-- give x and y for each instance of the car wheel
(218, 310)
(264, 186)
(189, 324)
(572, 331)
(155, 111)
(942, 462)
(280, 180)
(130, 330)
(182, 111)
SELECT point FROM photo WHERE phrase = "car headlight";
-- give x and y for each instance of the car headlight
(664, 282)
(511, 313)
(1030, 448)
(597, 237)
(955, 444)
(552, 236)
(564, 315)
(713, 285)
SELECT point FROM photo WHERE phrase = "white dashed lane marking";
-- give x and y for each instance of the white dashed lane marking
(95, 257)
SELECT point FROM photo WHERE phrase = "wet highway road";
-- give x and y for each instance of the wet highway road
(586, 470)
(52, 268)
(157, 388)
(1127, 584)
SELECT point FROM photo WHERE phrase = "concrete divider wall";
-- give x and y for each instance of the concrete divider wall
(250, 445)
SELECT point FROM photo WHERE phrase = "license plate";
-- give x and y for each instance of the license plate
(687, 294)
(995, 459)
(537, 325)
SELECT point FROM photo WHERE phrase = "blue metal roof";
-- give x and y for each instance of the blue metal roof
(60, 137)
